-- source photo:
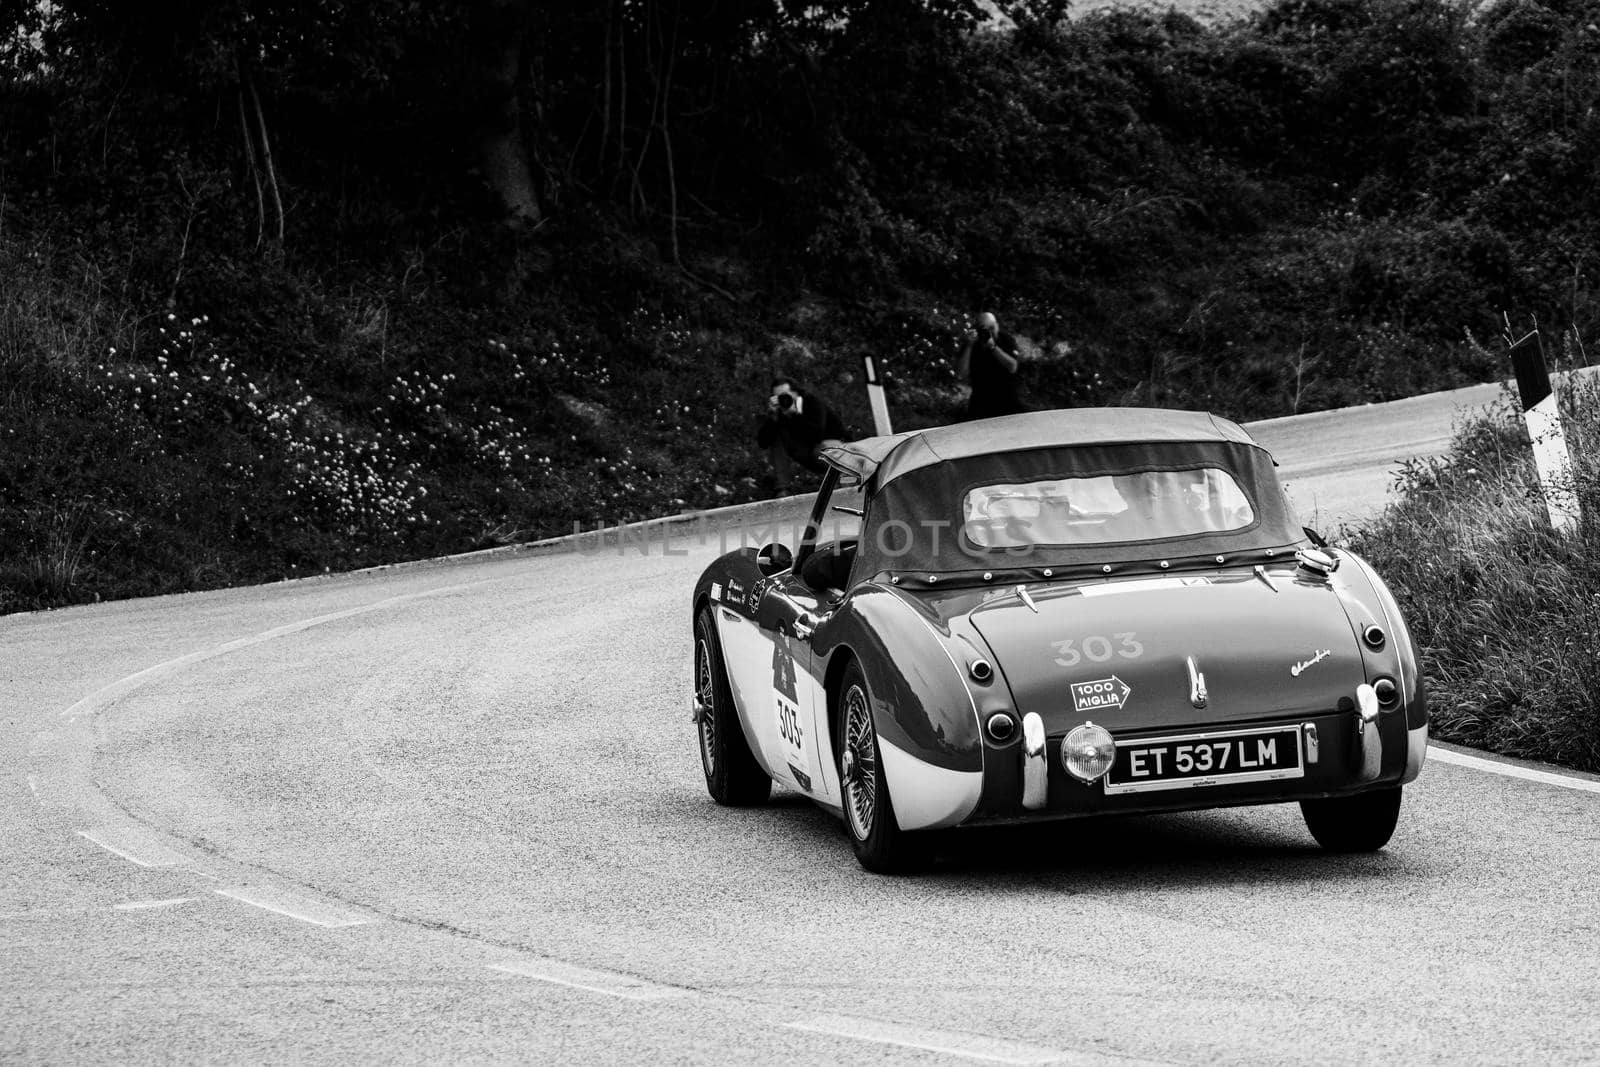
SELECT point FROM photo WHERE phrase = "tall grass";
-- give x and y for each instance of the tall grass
(1505, 610)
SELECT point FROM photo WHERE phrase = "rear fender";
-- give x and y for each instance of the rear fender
(1368, 600)
(929, 743)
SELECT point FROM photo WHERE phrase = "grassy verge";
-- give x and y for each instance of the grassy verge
(1506, 611)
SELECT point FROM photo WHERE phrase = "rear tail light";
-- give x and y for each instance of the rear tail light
(1388, 693)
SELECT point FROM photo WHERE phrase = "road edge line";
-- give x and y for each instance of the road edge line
(1491, 763)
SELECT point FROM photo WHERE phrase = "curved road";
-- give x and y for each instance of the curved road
(455, 811)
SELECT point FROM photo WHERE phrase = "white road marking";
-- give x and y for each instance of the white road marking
(950, 1042)
(293, 905)
(144, 905)
(120, 688)
(1511, 770)
(610, 983)
(135, 846)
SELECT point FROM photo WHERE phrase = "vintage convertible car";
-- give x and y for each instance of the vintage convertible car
(1056, 614)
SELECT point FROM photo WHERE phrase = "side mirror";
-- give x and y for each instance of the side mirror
(774, 559)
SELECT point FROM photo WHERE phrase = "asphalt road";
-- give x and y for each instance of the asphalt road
(455, 812)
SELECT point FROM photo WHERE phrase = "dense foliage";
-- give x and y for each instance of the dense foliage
(1506, 611)
(291, 286)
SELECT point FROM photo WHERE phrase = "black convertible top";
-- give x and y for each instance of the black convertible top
(916, 483)
(889, 457)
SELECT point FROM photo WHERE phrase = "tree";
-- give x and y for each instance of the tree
(499, 34)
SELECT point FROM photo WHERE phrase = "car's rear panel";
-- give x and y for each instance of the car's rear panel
(1335, 771)
(1261, 667)
(1130, 654)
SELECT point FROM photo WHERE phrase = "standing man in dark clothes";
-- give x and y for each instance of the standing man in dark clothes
(991, 358)
(797, 425)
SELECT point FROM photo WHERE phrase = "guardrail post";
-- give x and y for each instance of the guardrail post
(875, 397)
(1549, 439)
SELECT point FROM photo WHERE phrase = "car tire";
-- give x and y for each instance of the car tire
(875, 835)
(733, 777)
(1360, 823)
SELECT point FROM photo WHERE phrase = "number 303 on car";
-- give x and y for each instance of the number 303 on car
(1097, 649)
(789, 723)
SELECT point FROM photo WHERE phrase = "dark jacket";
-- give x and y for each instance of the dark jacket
(802, 433)
(994, 389)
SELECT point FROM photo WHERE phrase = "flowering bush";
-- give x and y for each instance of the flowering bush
(354, 482)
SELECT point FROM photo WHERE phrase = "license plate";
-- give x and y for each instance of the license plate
(1218, 758)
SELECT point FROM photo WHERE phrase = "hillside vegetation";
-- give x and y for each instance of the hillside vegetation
(1506, 611)
(292, 287)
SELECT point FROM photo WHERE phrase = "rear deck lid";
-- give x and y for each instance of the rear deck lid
(1117, 651)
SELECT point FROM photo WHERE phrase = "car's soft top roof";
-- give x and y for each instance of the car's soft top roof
(891, 456)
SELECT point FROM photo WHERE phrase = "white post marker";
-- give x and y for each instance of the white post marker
(876, 397)
(1545, 431)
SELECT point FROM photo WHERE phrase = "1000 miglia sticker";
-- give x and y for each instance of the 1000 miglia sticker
(1100, 694)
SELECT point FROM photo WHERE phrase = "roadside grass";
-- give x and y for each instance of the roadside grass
(1506, 612)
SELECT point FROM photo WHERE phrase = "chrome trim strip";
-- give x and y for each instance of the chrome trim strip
(1297, 771)
(1035, 768)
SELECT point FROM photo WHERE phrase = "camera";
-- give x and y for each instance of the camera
(785, 401)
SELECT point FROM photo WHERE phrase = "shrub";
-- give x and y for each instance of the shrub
(1505, 611)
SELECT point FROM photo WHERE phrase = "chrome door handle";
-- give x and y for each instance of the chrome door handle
(805, 620)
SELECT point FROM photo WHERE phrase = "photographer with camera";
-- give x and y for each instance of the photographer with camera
(796, 426)
(991, 359)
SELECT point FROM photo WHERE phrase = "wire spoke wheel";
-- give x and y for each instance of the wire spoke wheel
(876, 837)
(861, 763)
(705, 693)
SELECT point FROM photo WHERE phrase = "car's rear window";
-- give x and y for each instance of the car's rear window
(1106, 508)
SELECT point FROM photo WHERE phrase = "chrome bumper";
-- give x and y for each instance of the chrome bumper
(1369, 746)
(1035, 768)
(1369, 749)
